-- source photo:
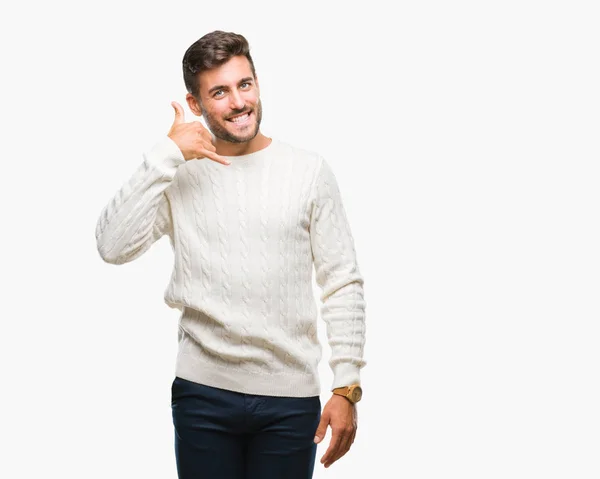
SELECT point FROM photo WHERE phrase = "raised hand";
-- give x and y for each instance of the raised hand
(193, 139)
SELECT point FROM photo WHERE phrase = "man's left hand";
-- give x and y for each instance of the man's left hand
(340, 414)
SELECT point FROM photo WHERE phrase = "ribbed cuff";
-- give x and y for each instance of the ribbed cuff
(165, 156)
(345, 374)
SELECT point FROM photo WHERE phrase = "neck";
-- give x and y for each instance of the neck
(226, 148)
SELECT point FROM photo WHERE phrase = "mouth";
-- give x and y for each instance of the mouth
(241, 119)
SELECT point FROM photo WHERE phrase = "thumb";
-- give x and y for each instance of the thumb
(322, 429)
(179, 114)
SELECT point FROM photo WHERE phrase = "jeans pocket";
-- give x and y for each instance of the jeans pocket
(175, 389)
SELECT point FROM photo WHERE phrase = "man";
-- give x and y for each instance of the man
(248, 217)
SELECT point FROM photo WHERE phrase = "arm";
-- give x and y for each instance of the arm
(338, 275)
(343, 309)
(139, 214)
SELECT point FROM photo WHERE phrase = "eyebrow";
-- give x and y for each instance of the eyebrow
(224, 87)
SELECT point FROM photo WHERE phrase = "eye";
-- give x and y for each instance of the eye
(218, 93)
(245, 83)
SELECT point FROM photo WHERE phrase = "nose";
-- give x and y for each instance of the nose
(237, 102)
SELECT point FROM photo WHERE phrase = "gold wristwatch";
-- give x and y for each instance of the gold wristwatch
(352, 393)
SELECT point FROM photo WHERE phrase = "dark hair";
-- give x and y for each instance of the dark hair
(211, 51)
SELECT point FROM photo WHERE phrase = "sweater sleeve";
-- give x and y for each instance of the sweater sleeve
(139, 214)
(338, 275)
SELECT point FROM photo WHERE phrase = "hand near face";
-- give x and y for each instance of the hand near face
(193, 139)
(341, 415)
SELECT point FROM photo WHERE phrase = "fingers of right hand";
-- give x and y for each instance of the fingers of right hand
(210, 147)
(179, 113)
(211, 155)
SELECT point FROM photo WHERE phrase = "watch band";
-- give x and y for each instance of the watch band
(352, 393)
(343, 391)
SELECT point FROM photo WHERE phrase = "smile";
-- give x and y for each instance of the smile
(241, 119)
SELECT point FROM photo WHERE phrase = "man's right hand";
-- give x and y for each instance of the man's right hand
(193, 139)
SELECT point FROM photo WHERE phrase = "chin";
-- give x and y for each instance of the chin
(245, 139)
(237, 138)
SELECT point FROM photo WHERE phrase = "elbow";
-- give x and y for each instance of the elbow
(108, 251)
(112, 254)
(340, 281)
(108, 256)
(343, 290)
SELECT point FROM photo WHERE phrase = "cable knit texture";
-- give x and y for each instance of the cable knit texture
(245, 239)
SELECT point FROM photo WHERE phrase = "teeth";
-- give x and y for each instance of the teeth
(240, 118)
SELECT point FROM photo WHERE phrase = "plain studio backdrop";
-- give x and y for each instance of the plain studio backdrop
(464, 137)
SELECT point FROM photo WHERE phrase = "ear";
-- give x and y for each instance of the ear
(193, 104)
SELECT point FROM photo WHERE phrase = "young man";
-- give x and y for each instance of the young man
(248, 217)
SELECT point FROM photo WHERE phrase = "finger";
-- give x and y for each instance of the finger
(201, 128)
(321, 429)
(179, 113)
(339, 452)
(346, 441)
(205, 135)
(213, 156)
(333, 448)
(210, 147)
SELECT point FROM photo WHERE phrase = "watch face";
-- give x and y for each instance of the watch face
(356, 394)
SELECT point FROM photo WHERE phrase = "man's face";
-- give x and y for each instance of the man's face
(230, 101)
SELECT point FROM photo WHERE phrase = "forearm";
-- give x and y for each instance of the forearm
(344, 314)
(126, 226)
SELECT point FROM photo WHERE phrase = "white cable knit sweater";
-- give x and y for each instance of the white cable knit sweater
(245, 238)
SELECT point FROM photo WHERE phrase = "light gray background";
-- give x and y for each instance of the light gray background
(464, 136)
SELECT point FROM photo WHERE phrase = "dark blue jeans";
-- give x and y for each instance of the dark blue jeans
(221, 434)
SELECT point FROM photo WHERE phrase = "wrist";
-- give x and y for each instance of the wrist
(352, 393)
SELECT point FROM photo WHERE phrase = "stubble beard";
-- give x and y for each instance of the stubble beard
(223, 134)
